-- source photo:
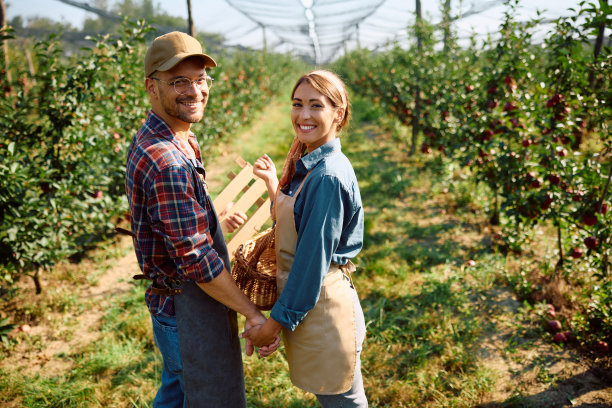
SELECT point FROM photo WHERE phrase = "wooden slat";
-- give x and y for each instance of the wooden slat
(250, 228)
(233, 188)
(249, 198)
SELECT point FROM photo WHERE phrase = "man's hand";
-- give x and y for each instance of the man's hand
(230, 222)
(249, 324)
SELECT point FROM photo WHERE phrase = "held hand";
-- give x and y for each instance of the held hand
(264, 168)
(265, 351)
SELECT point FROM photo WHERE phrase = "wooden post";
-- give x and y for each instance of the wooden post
(5, 43)
(192, 30)
(416, 113)
(446, 21)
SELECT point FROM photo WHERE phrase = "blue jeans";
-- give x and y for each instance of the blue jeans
(355, 397)
(171, 394)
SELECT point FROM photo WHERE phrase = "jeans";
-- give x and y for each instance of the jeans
(355, 397)
(171, 394)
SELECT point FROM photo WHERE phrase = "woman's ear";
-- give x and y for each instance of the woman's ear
(340, 115)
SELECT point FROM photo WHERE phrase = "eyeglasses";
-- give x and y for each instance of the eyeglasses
(182, 85)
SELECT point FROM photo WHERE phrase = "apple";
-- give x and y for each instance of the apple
(492, 104)
(510, 106)
(561, 152)
(487, 134)
(97, 194)
(604, 208)
(548, 200)
(589, 219)
(526, 142)
(471, 262)
(560, 337)
(576, 253)
(469, 88)
(554, 179)
(602, 346)
(116, 136)
(425, 148)
(554, 100)
(536, 183)
(591, 242)
(25, 328)
(554, 325)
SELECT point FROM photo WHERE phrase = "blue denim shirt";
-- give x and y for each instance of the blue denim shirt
(329, 222)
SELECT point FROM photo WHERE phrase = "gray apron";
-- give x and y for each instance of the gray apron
(208, 337)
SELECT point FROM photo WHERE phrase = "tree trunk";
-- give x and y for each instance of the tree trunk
(446, 20)
(192, 30)
(597, 50)
(416, 114)
(5, 43)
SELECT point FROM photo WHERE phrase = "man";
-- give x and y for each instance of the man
(178, 240)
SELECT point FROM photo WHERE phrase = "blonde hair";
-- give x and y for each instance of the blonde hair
(331, 86)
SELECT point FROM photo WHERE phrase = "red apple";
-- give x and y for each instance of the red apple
(591, 242)
(602, 347)
(554, 179)
(510, 106)
(526, 142)
(576, 253)
(425, 148)
(604, 208)
(487, 134)
(554, 325)
(116, 136)
(97, 194)
(589, 219)
(469, 88)
(560, 337)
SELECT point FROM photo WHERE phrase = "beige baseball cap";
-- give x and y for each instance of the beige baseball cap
(169, 49)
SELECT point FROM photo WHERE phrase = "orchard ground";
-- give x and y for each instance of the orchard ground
(444, 328)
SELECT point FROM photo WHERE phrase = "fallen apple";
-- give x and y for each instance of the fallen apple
(560, 337)
(554, 325)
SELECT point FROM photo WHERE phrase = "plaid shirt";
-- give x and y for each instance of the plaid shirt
(170, 211)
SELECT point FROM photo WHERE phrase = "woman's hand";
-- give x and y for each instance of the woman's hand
(265, 336)
(265, 169)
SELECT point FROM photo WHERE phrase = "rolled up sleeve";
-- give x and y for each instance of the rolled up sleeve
(319, 233)
(178, 217)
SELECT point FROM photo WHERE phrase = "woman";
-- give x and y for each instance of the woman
(319, 227)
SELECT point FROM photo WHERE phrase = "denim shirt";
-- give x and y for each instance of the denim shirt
(329, 222)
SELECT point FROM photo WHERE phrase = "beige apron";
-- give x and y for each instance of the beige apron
(322, 350)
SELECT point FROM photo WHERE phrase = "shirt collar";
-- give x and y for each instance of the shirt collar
(161, 128)
(313, 158)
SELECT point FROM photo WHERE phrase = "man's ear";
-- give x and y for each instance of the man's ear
(151, 87)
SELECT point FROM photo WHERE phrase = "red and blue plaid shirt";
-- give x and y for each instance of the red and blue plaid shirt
(170, 211)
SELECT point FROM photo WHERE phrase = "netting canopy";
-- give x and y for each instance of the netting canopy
(315, 28)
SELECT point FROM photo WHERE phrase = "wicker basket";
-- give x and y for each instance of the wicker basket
(254, 269)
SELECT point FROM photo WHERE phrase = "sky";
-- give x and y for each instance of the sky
(387, 22)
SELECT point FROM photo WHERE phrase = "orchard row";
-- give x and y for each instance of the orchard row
(529, 120)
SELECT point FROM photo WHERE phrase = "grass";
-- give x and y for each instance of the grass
(429, 313)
